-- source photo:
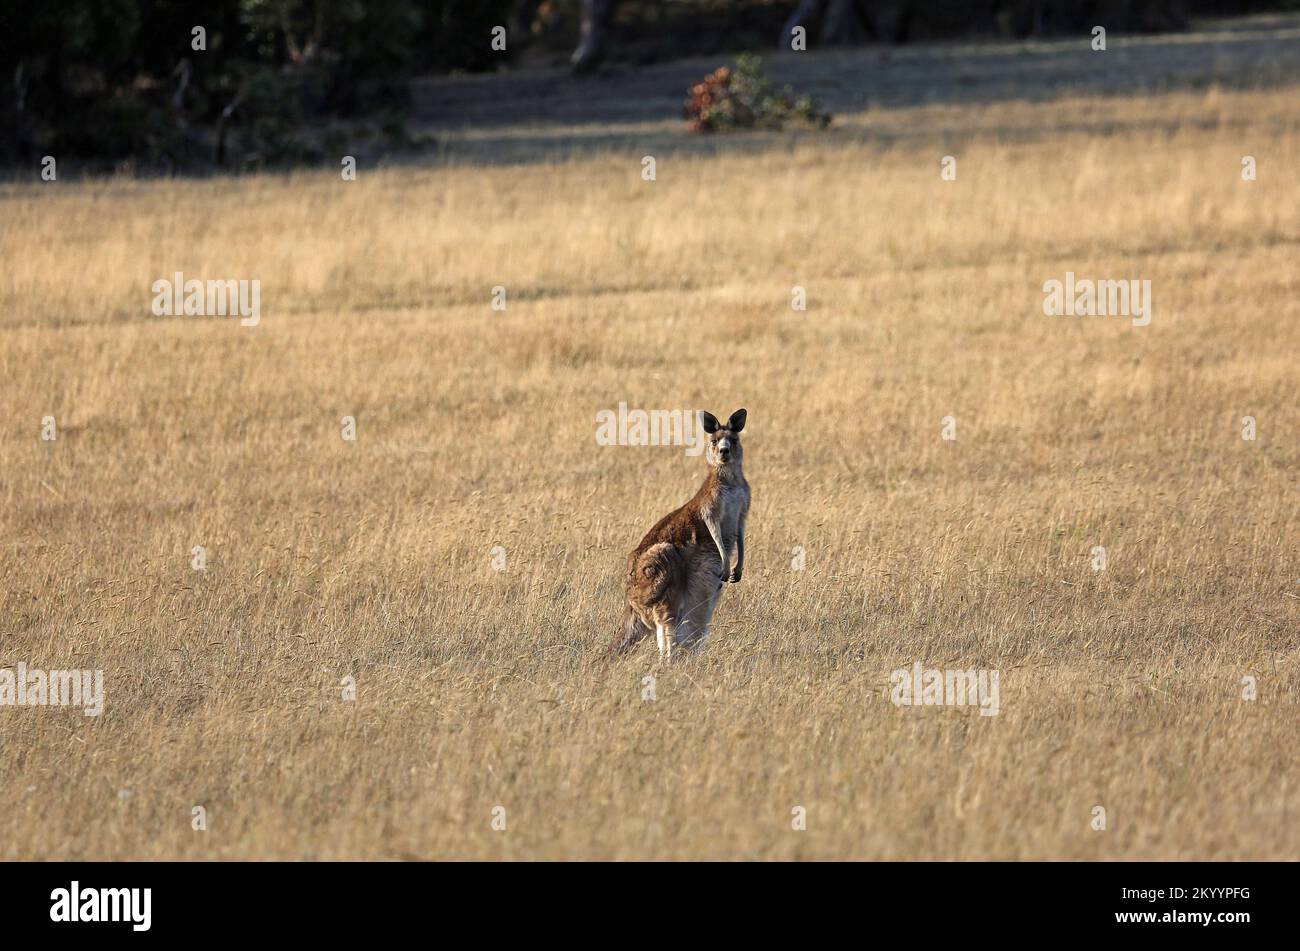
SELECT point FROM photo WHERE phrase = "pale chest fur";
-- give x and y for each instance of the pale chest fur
(732, 502)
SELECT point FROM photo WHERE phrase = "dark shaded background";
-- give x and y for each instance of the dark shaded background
(115, 83)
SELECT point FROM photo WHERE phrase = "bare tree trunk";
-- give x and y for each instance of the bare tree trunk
(802, 16)
(182, 72)
(593, 43)
(219, 153)
(23, 139)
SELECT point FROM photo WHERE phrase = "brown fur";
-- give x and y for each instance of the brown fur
(675, 576)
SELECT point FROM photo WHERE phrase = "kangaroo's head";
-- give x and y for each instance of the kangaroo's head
(724, 448)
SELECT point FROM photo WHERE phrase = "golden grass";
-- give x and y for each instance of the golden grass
(328, 559)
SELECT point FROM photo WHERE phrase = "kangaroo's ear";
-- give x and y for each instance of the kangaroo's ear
(708, 421)
(737, 421)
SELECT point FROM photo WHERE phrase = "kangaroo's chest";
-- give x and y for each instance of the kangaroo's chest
(732, 501)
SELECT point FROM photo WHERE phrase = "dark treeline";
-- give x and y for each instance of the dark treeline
(243, 83)
(171, 83)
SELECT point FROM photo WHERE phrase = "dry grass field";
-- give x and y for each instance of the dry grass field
(479, 688)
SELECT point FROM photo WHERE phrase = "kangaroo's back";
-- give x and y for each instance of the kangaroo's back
(682, 526)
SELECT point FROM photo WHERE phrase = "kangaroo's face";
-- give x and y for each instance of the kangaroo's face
(724, 447)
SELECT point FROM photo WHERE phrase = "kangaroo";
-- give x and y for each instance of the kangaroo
(675, 576)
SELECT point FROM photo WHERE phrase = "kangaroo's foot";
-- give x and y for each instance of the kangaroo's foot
(666, 639)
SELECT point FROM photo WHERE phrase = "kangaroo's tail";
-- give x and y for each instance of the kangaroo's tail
(630, 630)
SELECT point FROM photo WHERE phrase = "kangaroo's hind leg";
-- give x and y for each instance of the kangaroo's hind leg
(698, 622)
(698, 598)
(666, 632)
(654, 579)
